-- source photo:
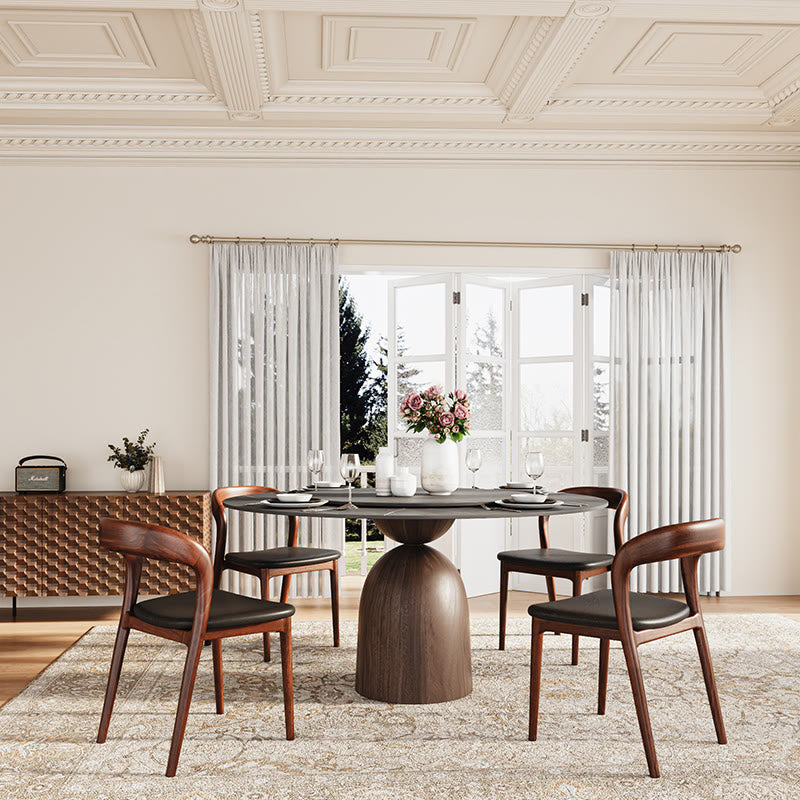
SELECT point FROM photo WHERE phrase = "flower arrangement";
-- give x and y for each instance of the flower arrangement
(443, 416)
(132, 456)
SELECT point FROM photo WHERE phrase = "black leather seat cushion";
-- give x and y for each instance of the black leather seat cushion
(596, 609)
(282, 557)
(228, 610)
(552, 558)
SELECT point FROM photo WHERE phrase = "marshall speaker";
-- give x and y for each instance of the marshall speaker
(43, 478)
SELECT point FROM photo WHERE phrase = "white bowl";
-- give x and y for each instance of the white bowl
(293, 497)
(520, 484)
(529, 497)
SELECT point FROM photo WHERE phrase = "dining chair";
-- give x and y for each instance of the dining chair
(273, 562)
(193, 618)
(551, 562)
(634, 618)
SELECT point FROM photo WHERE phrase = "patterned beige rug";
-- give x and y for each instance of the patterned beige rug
(349, 747)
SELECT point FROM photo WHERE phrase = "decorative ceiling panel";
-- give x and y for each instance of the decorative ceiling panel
(701, 53)
(476, 81)
(394, 44)
(48, 39)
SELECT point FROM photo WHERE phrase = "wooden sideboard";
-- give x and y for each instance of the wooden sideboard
(49, 542)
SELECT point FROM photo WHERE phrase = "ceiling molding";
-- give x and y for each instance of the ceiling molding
(376, 147)
(554, 57)
(402, 81)
(233, 53)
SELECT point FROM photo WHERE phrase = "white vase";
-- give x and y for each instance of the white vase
(439, 469)
(132, 481)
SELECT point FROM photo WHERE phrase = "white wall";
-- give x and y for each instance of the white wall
(103, 319)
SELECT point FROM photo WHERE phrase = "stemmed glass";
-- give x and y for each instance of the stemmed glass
(474, 460)
(316, 461)
(534, 465)
(349, 466)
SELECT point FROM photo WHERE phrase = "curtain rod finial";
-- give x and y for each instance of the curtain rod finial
(737, 248)
(195, 239)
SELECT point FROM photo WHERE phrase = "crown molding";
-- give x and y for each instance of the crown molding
(344, 146)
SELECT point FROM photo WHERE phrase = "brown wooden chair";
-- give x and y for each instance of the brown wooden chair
(554, 563)
(274, 562)
(205, 614)
(634, 618)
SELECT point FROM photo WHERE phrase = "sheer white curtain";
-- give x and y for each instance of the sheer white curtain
(669, 403)
(274, 363)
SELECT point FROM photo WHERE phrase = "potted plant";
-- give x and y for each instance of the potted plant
(132, 458)
(446, 418)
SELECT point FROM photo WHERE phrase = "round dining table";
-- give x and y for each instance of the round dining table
(413, 618)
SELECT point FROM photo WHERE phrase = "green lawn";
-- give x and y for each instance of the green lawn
(352, 555)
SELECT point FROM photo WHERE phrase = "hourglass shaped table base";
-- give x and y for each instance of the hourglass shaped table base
(413, 631)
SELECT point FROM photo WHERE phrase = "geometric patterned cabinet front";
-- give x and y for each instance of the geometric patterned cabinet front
(49, 542)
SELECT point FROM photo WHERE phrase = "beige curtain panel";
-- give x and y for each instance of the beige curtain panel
(274, 356)
(669, 398)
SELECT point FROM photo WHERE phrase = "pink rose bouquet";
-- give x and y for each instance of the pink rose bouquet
(443, 416)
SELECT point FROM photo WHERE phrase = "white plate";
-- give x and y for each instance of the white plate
(511, 504)
(293, 497)
(518, 485)
(528, 498)
(326, 485)
(309, 504)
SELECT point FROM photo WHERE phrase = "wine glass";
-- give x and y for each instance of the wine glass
(316, 461)
(534, 465)
(474, 460)
(349, 467)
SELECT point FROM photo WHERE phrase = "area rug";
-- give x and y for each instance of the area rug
(349, 747)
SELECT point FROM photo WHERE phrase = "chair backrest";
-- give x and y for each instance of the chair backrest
(218, 511)
(141, 540)
(686, 541)
(617, 500)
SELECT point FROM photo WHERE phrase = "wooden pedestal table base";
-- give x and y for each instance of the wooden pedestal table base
(413, 629)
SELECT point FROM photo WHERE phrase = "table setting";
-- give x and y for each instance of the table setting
(413, 634)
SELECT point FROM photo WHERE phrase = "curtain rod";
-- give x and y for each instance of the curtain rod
(715, 248)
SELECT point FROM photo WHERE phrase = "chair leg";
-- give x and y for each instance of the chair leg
(536, 676)
(640, 701)
(264, 578)
(335, 602)
(577, 588)
(711, 684)
(120, 643)
(602, 683)
(184, 700)
(216, 653)
(288, 686)
(286, 584)
(503, 604)
(551, 588)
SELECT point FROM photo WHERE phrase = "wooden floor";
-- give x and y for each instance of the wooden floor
(40, 634)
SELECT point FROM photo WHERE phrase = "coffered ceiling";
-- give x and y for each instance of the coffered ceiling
(402, 80)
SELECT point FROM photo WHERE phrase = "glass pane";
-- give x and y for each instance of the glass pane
(545, 396)
(602, 320)
(492, 471)
(414, 304)
(484, 313)
(485, 384)
(415, 376)
(600, 455)
(545, 321)
(600, 412)
(559, 456)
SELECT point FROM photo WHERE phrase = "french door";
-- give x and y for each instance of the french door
(527, 354)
